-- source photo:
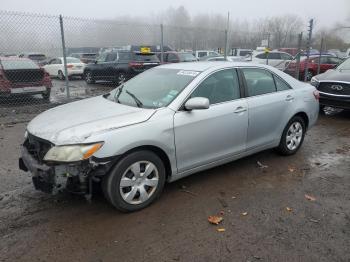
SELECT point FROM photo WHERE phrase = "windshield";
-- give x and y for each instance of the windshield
(345, 65)
(154, 88)
(186, 57)
(145, 57)
(37, 57)
(73, 60)
(18, 64)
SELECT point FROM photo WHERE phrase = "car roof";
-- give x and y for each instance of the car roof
(205, 65)
(4, 58)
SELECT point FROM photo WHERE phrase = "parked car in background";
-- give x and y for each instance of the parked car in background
(38, 58)
(292, 51)
(222, 58)
(165, 124)
(55, 67)
(240, 52)
(177, 57)
(22, 76)
(276, 59)
(85, 57)
(119, 66)
(201, 53)
(327, 62)
(334, 86)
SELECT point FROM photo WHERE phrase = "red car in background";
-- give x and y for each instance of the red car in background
(327, 62)
(22, 76)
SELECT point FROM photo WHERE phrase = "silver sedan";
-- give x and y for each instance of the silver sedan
(164, 124)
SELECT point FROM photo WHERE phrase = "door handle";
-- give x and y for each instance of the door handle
(289, 98)
(240, 109)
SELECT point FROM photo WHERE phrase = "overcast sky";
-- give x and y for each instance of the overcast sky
(325, 12)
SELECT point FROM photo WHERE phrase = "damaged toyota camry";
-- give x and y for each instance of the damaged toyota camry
(164, 124)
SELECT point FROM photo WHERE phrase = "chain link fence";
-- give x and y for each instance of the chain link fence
(50, 60)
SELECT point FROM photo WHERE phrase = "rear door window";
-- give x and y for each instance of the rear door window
(280, 84)
(111, 57)
(258, 81)
(261, 56)
(275, 56)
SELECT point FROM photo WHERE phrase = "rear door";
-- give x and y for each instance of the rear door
(270, 104)
(205, 136)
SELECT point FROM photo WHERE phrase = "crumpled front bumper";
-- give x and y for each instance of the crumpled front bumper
(44, 177)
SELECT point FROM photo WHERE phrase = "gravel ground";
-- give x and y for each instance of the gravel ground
(267, 216)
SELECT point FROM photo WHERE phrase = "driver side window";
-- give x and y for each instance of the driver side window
(219, 87)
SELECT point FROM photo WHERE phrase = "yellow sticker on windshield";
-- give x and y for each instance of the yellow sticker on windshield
(145, 50)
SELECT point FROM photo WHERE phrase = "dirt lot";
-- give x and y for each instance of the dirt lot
(253, 202)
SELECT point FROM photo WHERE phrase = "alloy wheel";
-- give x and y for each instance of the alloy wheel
(294, 135)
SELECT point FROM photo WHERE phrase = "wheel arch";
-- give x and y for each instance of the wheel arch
(159, 152)
(304, 116)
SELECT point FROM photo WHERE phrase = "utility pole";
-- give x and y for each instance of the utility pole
(319, 57)
(297, 70)
(226, 35)
(308, 44)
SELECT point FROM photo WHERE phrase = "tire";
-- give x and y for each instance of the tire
(127, 196)
(309, 75)
(89, 79)
(322, 112)
(46, 95)
(60, 75)
(121, 78)
(292, 146)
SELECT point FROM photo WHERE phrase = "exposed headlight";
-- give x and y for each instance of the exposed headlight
(72, 153)
(314, 82)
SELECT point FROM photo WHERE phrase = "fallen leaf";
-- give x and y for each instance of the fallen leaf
(221, 229)
(261, 165)
(314, 220)
(244, 213)
(289, 209)
(310, 198)
(215, 219)
(291, 169)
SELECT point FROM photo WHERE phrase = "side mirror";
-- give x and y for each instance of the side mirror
(197, 103)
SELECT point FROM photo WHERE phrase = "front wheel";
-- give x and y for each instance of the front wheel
(89, 78)
(135, 182)
(292, 136)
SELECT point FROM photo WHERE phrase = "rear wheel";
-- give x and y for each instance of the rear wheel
(60, 75)
(46, 96)
(89, 78)
(292, 136)
(135, 182)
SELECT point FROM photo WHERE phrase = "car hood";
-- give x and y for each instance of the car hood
(334, 75)
(75, 122)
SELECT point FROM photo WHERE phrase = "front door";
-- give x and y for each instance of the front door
(205, 136)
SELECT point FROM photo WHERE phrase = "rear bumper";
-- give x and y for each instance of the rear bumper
(337, 101)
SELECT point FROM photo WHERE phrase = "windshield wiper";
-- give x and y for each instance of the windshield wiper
(117, 94)
(137, 101)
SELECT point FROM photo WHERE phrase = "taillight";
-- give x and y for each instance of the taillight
(317, 95)
(135, 64)
(70, 66)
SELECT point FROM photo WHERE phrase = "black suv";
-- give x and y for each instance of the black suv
(119, 66)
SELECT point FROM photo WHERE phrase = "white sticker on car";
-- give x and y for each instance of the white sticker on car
(188, 73)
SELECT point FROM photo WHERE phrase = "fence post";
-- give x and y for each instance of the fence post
(319, 57)
(297, 70)
(225, 49)
(161, 43)
(311, 25)
(64, 56)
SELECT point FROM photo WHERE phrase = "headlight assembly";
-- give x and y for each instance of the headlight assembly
(314, 82)
(72, 153)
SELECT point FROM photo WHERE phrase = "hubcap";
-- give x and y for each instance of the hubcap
(139, 182)
(294, 135)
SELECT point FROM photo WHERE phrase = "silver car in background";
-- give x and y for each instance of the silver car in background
(165, 124)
